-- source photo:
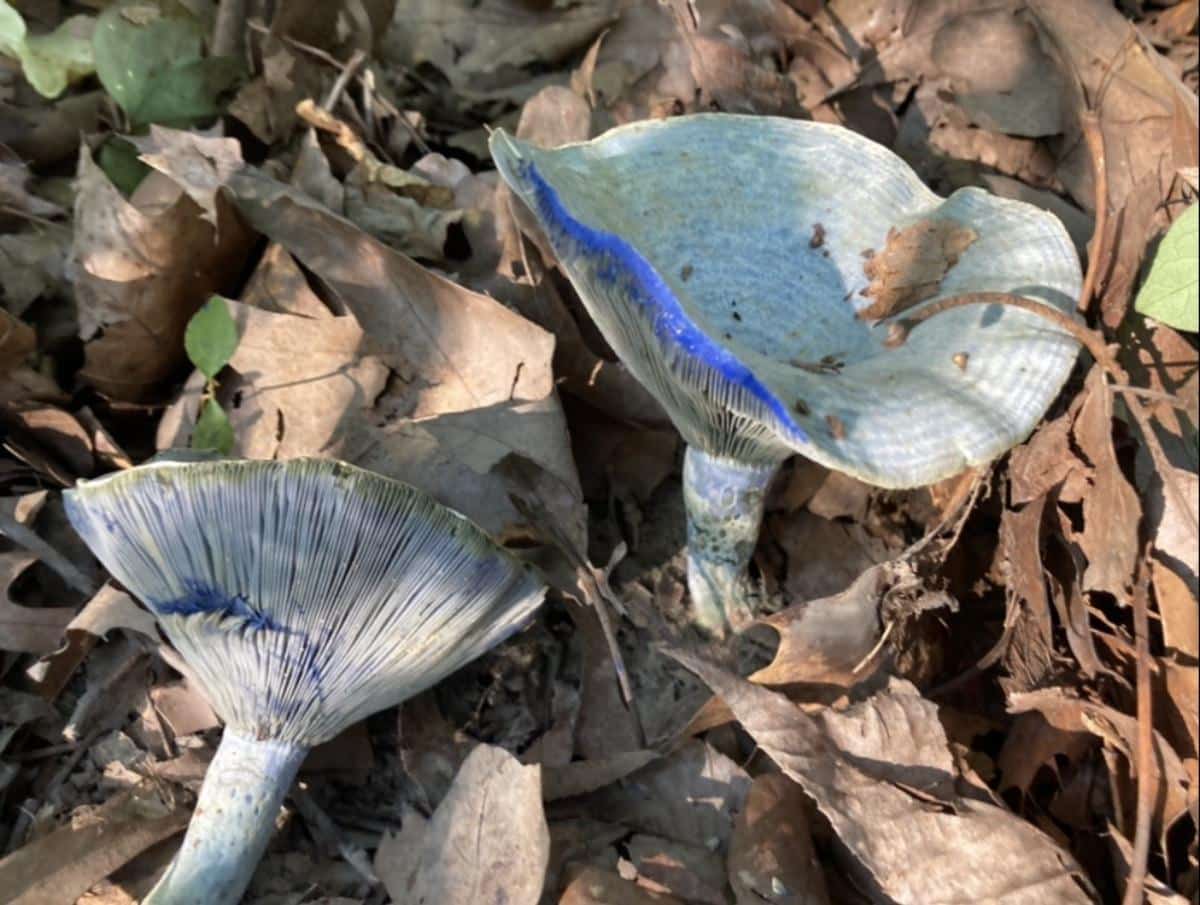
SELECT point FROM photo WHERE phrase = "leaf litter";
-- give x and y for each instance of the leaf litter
(983, 691)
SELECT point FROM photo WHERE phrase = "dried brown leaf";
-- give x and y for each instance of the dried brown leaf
(690, 796)
(62, 865)
(1111, 511)
(910, 267)
(583, 776)
(144, 267)
(592, 886)
(17, 340)
(27, 629)
(999, 73)
(693, 873)
(487, 843)
(771, 854)
(883, 777)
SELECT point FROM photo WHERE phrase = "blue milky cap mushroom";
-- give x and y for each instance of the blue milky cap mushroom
(303, 596)
(745, 269)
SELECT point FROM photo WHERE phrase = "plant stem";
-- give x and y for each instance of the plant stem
(232, 823)
(724, 500)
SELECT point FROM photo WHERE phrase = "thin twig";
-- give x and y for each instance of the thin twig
(349, 70)
(1147, 769)
(230, 29)
(1094, 136)
(1153, 395)
(1092, 341)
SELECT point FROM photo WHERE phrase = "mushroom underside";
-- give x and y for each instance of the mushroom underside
(738, 256)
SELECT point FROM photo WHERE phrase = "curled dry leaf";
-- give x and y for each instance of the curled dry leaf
(690, 796)
(592, 886)
(144, 267)
(883, 776)
(771, 855)
(910, 267)
(487, 842)
(26, 629)
(693, 873)
(1111, 510)
(64, 864)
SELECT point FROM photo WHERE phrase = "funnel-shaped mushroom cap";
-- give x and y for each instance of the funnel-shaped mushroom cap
(305, 594)
(726, 259)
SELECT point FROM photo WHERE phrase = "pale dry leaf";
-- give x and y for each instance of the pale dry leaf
(183, 708)
(471, 42)
(582, 776)
(62, 865)
(26, 629)
(890, 798)
(15, 189)
(1033, 743)
(1119, 731)
(690, 796)
(17, 341)
(144, 267)
(303, 386)
(399, 855)
(1111, 510)
(771, 854)
(200, 164)
(32, 265)
(592, 886)
(999, 73)
(910, 266)
(693, 873)
(825, 640)
(487, 843)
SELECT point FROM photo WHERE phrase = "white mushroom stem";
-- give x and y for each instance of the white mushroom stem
(232, 824)
(724, 500)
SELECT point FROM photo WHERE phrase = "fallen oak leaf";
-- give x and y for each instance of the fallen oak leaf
(917, 840)
(488, 840)
(64, 864)
(36, 630)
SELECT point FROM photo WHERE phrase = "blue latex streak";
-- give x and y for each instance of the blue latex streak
(202, 599)
(646, 289)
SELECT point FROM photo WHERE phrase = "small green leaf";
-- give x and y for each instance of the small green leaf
(50, 61)
(213, 430)
(1169, 294)
(211, 337)
(154, 66)
(120, 161)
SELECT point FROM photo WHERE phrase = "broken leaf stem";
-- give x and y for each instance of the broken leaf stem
(1147, 769)
(1094, 137)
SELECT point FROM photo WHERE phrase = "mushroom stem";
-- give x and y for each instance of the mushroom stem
(232, 824)
(724, 500)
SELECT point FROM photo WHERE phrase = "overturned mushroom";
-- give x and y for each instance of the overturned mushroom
(303, 596)
(744, 269)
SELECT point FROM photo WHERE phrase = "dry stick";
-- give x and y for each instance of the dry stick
(1094, 137)
(1090, 340)
(1147, 769)
(1153, 395)
(229, 29)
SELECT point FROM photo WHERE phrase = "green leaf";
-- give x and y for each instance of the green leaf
(213, 430)
(121, 164)
(1169, 294)
(154, 66)
(191, 92)
(52, 61)
(211, 337)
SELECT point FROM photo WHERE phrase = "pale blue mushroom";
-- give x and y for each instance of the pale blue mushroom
(302, 596)
(723, 258)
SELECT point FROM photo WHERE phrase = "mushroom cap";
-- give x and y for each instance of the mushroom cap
(725, 257)
(307, 594)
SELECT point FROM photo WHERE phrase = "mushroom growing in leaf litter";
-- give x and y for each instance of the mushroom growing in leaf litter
(303, 596)
(745, 267)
